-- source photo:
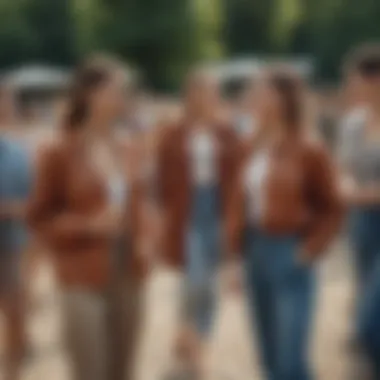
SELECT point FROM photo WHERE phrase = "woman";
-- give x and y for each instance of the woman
(287, 203)
(16, 178)
(85, 207)
(195, 171)
(245, 118)
(360, 154)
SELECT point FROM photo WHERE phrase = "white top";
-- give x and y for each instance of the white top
(245, 125)
(254, 183)
(359, 154)
(116, 182)
(117, 191)
(350, 130)
(203, 153)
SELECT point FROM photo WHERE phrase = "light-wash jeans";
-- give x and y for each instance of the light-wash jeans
(15, 185)
(202, 258)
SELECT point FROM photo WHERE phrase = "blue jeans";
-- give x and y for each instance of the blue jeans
(366, 241)
(15, 185)
(280, 299)
(202, 259)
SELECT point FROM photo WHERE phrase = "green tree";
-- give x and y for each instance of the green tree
(209, 21)
(248, 26)
(155, 36)
(286, 17)
(35, 30)
(17, 39)
(346, 25)
(52, 25)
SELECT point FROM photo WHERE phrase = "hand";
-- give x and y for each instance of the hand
(12, 210)
(135, 161)
(304, 258)
(107, 222)
(145, 252)
(348, 189)
(232, 277)
(358, 196)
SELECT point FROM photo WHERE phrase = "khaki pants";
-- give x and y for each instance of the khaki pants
(101, 332)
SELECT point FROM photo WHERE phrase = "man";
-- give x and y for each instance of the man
(14, 189)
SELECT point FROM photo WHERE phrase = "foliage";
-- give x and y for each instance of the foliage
(34, 30)
(156, 36)
(163, 38)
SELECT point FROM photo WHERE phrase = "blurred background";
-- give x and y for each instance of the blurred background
(163, 38)
(41, 40)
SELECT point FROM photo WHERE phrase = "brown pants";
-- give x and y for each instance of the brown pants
(101, 332)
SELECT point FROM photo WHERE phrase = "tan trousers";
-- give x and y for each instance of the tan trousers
(101, 332)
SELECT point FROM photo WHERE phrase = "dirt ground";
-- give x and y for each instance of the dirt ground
(233, 355)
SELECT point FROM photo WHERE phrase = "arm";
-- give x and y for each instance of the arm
(137, 231)
(235, 220)
(361, 195)
(234, 196)
(46, 212)
(325, 199)
(12, 210)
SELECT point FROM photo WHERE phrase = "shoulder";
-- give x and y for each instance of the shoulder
(314, 149)
(54, 152)
(353, 122)
(225, 126)
(357, 115)
(16, 153)
(169, 130)
(13, 147)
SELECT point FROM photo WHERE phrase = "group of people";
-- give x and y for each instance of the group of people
(259, 202)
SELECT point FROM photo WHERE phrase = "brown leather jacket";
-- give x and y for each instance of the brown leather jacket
(302, 196)
(174, 186)
(67, 194)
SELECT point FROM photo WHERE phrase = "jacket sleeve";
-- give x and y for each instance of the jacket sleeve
(235, 202)
(324, 197)
(161, 183)
(235, 220)
(46, 213)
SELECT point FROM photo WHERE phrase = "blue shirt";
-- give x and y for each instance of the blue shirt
(15, 184)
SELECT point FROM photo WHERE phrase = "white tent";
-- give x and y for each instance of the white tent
(37, 77)
(243, 68)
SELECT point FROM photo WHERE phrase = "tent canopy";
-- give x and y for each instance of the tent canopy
(37, 77)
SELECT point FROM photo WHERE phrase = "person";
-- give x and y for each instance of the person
(139, 116)
(360, 159)
(326, 107)
(15, 184)
(245, 119)
(195, 170)
(139, 127)
(86, 209)
(284, 212)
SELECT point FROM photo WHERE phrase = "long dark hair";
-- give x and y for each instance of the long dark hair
(290, 88)
(87, 77)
